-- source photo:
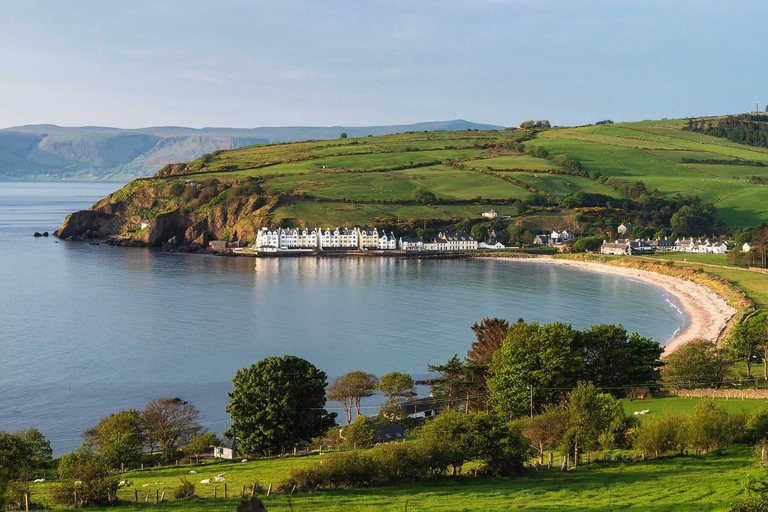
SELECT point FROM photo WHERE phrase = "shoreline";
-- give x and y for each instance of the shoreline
(708, 312)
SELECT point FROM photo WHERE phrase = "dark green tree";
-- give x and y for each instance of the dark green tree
(343, 135)
(613, 358)
(277, 403)
(480, 232)
(532, 363)
(201, 443)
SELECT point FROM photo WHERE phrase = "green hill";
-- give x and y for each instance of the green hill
(586, 178)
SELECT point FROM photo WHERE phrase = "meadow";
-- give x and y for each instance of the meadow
(689, 483)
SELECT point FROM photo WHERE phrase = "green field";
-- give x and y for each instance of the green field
(687, 483)
(562, 184)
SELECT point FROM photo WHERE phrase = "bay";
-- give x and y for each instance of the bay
(87, 330)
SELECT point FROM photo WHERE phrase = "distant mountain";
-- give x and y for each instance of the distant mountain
(47, 151)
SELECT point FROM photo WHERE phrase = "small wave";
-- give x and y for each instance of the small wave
(679, 312)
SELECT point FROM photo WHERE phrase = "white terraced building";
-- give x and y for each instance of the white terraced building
(284, 239)
(387, 241)
(707, 246)
(368, 238)
(457, 241)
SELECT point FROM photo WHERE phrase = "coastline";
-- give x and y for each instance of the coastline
(708, 312)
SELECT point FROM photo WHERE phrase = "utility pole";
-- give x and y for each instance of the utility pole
(531, 388)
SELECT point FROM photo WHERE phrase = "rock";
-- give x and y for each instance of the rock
(45, 233)
(81, 224)
(36, 235)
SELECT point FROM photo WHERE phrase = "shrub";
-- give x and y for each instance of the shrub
(87, 474)
(185, 490)
(665, 434)
(711, 427)
(362, 433)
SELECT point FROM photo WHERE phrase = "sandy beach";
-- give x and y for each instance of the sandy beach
(709, 313)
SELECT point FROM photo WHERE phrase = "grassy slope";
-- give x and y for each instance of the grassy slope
(653, 152)
(689, 483)
(388, 168)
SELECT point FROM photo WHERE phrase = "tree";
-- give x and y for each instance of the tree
(170, 423)
(612, 358)
(23, 451)
(397, 387)
(695, 364)
(201, 443)
(489, 334)
(277, 403)
(118, 438)
(547, 430)
(533, 363)
(343, 135)
(362, 433)
(450, 386)
(349, 389)
(480, 232)
(748, 339)
(593, 418)
(423, 196)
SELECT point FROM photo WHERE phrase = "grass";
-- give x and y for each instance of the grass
(684, 405)
(562, 184)
(686, 483)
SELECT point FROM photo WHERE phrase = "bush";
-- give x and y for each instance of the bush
(712, 427)
(665, 434)
(362, 433)
(87, 474)
(185, 490)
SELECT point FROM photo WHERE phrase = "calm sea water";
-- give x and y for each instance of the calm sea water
(89, 330)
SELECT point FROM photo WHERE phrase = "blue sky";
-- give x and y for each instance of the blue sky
(249, 63)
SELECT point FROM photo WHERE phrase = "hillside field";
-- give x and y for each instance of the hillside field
(383, 179)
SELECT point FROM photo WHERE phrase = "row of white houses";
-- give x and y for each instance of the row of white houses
(685, 245)
(280, 239)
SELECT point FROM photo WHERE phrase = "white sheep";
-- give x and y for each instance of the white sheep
(205, 481)
(192, 472)
(39, 480)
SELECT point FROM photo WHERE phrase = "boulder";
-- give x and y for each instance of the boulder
(36, 235)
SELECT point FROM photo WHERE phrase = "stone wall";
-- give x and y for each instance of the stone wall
(721, 393)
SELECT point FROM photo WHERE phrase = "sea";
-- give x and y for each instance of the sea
(88, 330)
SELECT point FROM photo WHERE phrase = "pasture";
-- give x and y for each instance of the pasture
(688, 483)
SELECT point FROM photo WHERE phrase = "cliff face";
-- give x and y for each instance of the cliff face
(178, 214)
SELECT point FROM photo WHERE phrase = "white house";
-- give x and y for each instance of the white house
(490, 245)
(707, 246)
(227, 449)
(347, 238)
(308, 239)
(746, 247)
(328, 239)
(144, 223)
(491, 214)
(368, 238)
(567, 234)
(458, 241)
(387, 241)
(624, 227)
(616, 248)
(267, 238)
(542, 240)
(407, 243)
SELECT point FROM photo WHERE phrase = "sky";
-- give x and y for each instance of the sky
(239, 63)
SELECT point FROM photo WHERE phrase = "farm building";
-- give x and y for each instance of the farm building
(387, 433)
(420, 407)
(227, 449)
(219, 245)
(624, 227)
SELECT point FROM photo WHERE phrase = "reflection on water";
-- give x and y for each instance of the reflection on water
(87, 330)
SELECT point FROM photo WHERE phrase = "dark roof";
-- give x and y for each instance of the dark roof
(229, 443)
(416, 405)
(390, 433)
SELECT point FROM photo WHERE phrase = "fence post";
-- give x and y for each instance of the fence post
(75, 499)
(242, 494)
(269, 490)
(162, 497)
(225, 490)
(135, 496)
(26, 501)
(214, 491)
